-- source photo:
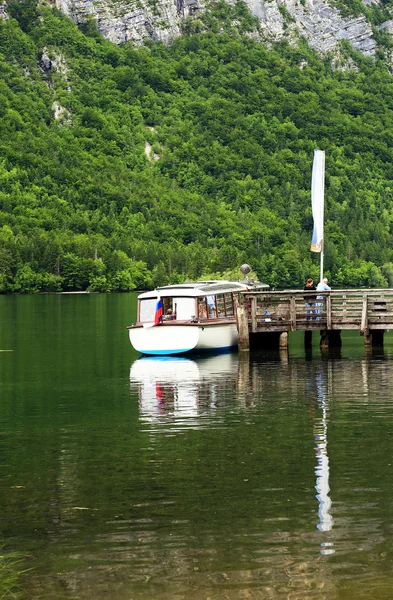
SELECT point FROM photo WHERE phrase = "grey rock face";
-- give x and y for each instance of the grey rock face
(135, 20)
(3, 13)
(317, 21)
(387, 26)
(45, 63)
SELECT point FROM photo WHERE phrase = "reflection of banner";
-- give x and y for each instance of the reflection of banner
(322, 468)
(322, 484)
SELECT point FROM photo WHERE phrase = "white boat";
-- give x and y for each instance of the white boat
(189, 317)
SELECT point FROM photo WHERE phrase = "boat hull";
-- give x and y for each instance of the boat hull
(183, 338)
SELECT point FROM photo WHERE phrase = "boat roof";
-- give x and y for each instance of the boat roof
(204, 288)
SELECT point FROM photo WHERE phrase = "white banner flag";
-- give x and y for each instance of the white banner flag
(317, 199)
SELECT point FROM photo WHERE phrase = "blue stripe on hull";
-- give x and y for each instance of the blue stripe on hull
(189, 351)
(164, 352)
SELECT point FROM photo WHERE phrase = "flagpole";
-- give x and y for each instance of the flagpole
(321, 264)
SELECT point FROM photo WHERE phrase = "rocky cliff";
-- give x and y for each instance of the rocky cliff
(316, 20)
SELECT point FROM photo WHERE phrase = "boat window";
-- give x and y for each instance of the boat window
(211, 305)
(220, 305)
(228, 299)
(184, 308)
(202, 308)
(207, 308)
(147, 310)
(224, 305)
(169, 313)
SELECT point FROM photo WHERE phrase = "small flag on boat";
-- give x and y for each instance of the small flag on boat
(317, 199)
(158, 315)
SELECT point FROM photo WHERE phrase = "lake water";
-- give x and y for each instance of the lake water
(222, 477)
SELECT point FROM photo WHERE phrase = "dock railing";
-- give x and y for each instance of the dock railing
(294, 310)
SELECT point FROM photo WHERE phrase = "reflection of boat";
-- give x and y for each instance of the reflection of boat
(174, 384)
(176, 319)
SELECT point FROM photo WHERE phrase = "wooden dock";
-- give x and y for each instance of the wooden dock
(277, 313)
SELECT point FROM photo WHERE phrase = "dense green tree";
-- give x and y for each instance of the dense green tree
(173, 163)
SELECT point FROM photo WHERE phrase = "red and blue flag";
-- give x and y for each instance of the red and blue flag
(158, 315)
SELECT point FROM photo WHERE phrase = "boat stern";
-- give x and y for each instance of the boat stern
(164, 339)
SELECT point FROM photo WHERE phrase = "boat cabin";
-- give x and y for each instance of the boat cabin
(205, 300)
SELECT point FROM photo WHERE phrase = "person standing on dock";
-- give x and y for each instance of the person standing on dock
(322, 287)
(309, 300)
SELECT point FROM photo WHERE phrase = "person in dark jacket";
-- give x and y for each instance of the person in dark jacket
(309, 300)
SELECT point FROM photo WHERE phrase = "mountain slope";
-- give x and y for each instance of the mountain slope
(126, 167)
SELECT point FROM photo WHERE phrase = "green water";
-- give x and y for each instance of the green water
(132, 478)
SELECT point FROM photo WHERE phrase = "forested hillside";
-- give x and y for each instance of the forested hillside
(171, 163)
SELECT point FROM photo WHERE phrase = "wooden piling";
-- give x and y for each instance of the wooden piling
(324, 341)
(283, 342)
(374, 338)
(377, 337)
(330, 339)
(308, 339)
(283, 352)
(242, 326)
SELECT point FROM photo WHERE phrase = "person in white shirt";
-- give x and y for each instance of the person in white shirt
(322, 287)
